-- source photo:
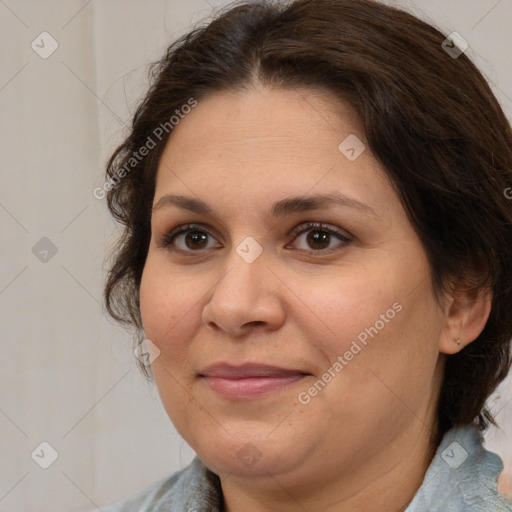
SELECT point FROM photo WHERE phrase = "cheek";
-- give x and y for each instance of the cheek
(151, 304)
(352, 303)
(380, 321)
(159, 307)
(170, 308)
(166, 315)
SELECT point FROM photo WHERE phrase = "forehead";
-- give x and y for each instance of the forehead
(269, 143)
(282, 118)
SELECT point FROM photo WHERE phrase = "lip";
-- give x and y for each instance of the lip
(251, 380)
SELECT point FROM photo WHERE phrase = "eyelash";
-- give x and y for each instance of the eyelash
(168, 238)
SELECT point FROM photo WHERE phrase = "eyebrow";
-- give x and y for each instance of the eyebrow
(281, 208)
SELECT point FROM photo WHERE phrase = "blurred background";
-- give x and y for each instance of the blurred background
(79, 426)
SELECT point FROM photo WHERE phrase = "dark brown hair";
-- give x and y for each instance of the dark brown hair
(430, 119)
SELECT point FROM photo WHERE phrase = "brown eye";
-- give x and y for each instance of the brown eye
(195, 239)
(192, 238)
(320, 237)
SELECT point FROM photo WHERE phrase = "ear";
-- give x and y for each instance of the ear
(466, 314)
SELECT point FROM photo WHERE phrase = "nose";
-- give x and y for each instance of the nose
(248, 295)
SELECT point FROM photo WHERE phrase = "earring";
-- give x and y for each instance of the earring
(458, 342)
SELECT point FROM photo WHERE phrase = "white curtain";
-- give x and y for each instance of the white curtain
(71, 397)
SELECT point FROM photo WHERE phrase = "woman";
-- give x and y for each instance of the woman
(317, 250)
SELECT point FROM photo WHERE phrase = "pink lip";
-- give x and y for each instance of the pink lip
(249, 380)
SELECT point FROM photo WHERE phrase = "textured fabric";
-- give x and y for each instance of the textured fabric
(193, 489)
(461, 478)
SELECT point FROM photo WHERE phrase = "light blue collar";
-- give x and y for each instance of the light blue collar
(462, 477)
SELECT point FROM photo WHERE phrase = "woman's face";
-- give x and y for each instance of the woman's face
(344, 314)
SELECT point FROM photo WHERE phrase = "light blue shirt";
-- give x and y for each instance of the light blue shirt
(461, 478)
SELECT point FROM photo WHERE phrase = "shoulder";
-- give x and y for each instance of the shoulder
(193, 488)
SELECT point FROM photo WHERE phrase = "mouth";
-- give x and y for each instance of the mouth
(249, 380)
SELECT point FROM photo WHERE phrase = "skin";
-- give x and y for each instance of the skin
(363, 442)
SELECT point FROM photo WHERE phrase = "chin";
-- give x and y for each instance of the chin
(247, 453)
